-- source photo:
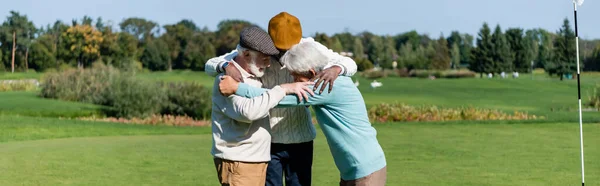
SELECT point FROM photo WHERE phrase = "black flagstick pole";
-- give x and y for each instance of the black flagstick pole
(579, 95)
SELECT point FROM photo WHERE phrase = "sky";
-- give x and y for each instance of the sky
(383, 17)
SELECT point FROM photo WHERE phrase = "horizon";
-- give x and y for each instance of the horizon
(351, 16)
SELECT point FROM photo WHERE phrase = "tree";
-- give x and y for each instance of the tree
(564, 59)
(503, 59)
(531, 43)
(390, 53)
(197, 52)
(17, 32)
(411, 37)
(375, 50)
(483, 60)
(545, 49)
(455, 55)
(466, 49)
(407, 56)
(140, 28)
(358, 50)
(347, 40)
(455, 37)
(228, 35)
(514, 37)
(441, 58)
(83, 42)
(323, 39)
(42, 56)
(336, 45)
(156, 55)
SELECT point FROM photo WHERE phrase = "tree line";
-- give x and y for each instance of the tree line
(141, 43)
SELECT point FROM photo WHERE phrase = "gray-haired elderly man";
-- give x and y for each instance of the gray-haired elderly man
(240, 127)
(341, 114)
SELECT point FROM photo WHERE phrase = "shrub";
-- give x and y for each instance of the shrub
(363, 64)
(594, 99)
(18, 85)
(403, 72)
(168, 120)
(128, 98)
(83, 85)
(458, 74)
(443, 74)
(124, 95)
(400, 112)
(373, 74)
(187, 98)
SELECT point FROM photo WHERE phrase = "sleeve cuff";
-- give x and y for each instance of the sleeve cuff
(242, 89)
(342, 72)
(220, 67)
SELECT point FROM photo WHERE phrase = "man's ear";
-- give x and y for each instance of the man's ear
(313, 72)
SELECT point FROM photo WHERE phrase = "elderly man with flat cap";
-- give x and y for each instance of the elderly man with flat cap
(292, 129)
(241, 132)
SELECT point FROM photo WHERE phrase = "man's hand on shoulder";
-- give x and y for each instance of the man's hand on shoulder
(326, 77)
(298, 88)
(228, 86)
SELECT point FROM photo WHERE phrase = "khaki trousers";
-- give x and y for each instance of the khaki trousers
(236, 173)
(378, 178)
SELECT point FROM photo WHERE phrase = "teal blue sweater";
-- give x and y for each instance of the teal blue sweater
(343, 117)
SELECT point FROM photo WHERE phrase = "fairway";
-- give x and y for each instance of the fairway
(417, 154)
(39, 149)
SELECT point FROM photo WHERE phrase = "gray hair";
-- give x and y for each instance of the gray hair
(303, 57)
(241, 50)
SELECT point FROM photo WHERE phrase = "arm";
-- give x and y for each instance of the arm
(214, 66)
(247, 91)
(348, 65)
(249, 109)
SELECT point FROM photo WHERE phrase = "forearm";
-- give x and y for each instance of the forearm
(247, 91)
(257, 107)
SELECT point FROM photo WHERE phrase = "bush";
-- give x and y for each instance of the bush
(363, 64)
(400, 112)
(124, 95)
(442, 74)
(403, 72)
(373, 74)
(18, 85)
(188, 99)
(83, 85)
(128, 97)
(594, 99)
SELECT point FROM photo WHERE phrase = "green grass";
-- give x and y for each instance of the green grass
(29, 104)
(417, 154)
(20, 75)
(551, 98)
(40, 150)
(179, 75)
(23, 128)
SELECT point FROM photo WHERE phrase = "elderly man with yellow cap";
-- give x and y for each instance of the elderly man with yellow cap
(292, 130)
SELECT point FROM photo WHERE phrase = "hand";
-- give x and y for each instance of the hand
(325, 77)
(233, 72)
(298, 88)
(228, 86)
